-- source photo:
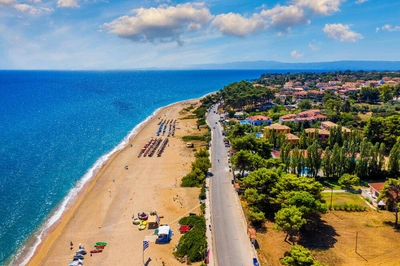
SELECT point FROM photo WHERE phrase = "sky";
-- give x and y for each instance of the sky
(97, 34)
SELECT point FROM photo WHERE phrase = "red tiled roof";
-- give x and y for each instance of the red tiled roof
(377, 186)
(320, 116)
(316, 92)
(260, 117)
(289, 116)
(300, 93)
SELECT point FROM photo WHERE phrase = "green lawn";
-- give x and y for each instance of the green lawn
(342, 198)
(331, 185)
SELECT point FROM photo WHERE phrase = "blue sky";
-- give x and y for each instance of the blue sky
(96, 34)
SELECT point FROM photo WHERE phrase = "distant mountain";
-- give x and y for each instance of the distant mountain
(336, 65)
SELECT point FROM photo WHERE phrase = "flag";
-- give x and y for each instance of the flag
(145, 244)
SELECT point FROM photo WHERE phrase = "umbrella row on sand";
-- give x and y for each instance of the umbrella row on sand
(79, 256)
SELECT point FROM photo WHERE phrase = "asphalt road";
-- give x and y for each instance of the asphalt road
(231, 243)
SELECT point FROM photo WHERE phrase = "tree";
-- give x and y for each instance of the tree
(242, 160)
(396, 91)
(238, 130)
(391, 193)
(202, 153)
(305, 105)
(394, 160)
(327, 166)
(288, 183)
(346, 106)
(202, 163)
(262, 180)
(252, 196)
(386, 93)
(305, 202)
(290, 220)
(370, 95)
(314, 158)
(300, 256)
(363, 160)
(348, 181)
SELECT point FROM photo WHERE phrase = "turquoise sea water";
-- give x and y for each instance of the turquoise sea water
(57, 127)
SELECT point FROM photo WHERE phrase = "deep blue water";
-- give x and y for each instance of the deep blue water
(55, 125)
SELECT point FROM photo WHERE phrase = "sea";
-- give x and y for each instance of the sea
(57, 128)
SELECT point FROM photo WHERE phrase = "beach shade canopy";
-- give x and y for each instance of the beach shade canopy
(163, 230)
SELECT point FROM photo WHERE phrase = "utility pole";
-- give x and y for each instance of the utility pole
(356, 241)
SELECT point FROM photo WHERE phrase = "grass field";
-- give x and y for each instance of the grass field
(341, 198)
(332, 240)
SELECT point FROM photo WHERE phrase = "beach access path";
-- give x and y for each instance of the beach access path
(231, 243)
(103, 212)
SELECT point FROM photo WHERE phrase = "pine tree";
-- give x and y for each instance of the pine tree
(394, 158)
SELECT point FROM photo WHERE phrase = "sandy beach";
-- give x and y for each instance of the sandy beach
(103, 211)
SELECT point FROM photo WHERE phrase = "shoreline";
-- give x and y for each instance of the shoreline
(59, 219)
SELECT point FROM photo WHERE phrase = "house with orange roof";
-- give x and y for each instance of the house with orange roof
(317, 95)
(300, 95)
(328, 125)
(287, 118)
(281, 129)
(258, 120)
(311, 116)
(323, 134)
(373, 193)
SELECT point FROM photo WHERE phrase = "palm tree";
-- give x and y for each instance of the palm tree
(391, 193)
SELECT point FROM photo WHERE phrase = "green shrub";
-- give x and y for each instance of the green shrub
(189, 138)
(349, 207)
(203, 208)
(193, 244)
(202, 195)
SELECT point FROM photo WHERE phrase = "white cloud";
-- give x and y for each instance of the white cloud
(24, 8)
(285, 16)
(313, 46)
(284, 32)
(296, 55)
(325, 7)
(68, 3)
(34, 1)
(390, 28)
(377, 29)
(361, 1)
(162, 24)
(236, 25)
(341, 32)
(6, 2)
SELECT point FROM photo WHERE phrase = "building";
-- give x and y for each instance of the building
(300, 95)
(373, 193)
(258, 120)
(328, 125)
(287, 118)
(280, 129)
(323, 134)
(311, 116)
(317, 95)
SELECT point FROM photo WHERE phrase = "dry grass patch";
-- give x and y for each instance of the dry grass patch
(333, 240)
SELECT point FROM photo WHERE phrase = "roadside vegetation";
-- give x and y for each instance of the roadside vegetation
(193, 244)
(199, 171)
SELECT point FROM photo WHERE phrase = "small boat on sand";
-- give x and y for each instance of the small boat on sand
(143, 216)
